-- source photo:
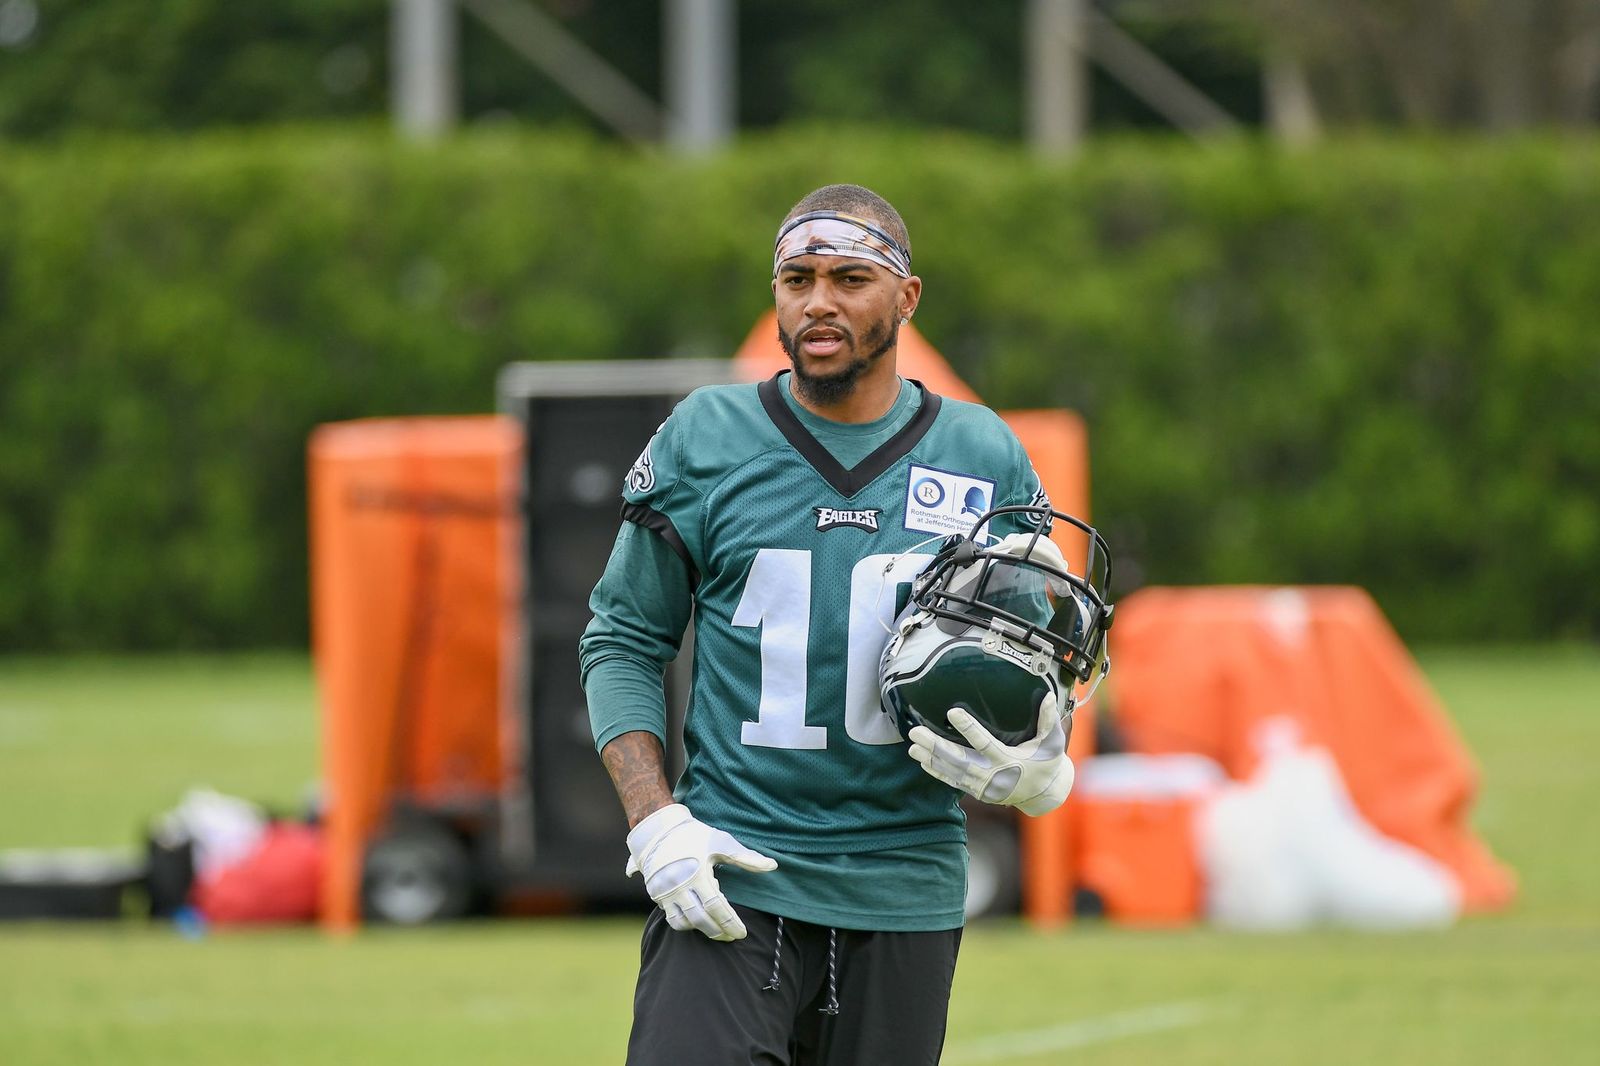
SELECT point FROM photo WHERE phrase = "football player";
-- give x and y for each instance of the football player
(810, 864)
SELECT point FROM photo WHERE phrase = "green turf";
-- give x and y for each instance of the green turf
(88, 748)
(1531, 717)
(92, 748)
(557, 993)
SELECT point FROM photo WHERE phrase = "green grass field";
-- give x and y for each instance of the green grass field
(90, 749)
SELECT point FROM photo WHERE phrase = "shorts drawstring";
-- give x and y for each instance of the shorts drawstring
(833, 974)
(777, 954)
(773, 983)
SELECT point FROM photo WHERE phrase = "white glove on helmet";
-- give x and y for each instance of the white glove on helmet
(1031, 546)
(676, 853)
(1034, 776)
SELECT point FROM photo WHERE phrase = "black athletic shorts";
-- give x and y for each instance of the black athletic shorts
(780, 997)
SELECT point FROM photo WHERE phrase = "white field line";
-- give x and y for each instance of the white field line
(1082, 1033)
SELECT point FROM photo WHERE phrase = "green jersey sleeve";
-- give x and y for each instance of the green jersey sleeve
(659, 495)
(640, 608)
(1024, 489)
(643, 602)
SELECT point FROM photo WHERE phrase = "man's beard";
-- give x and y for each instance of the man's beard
(825, 390)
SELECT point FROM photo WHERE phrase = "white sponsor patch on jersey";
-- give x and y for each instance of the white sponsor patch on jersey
(941, 501)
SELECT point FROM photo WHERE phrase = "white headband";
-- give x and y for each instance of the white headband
(832, 233)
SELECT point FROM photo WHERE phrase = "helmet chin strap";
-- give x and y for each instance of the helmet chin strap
(1093, 683)
(883, 579)
(889, 567)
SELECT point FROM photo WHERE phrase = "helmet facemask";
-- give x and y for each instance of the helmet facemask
(995, 624)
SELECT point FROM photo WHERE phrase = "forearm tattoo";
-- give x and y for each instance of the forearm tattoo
(637, 769)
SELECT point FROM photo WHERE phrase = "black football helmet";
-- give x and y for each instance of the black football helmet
(996, 624)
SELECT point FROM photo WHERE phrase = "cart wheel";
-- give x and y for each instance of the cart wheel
(994, 876)
(416, 872)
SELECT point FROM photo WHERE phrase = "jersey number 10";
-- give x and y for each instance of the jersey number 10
(777, 600)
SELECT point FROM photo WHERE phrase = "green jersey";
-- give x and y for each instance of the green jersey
(798, 567)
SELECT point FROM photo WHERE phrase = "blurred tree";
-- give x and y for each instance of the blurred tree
(181, 64)
(936, 64)
(499, 85)
(145, 64)
(1492, 64)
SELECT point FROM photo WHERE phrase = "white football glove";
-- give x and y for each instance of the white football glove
(1034, 776)
(676, 852)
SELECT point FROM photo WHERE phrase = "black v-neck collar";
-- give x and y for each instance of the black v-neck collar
(846, 482)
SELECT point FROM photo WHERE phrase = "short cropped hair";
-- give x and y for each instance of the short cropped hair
(856, 200)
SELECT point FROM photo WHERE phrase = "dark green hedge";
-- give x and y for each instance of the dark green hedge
(1375, 363)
